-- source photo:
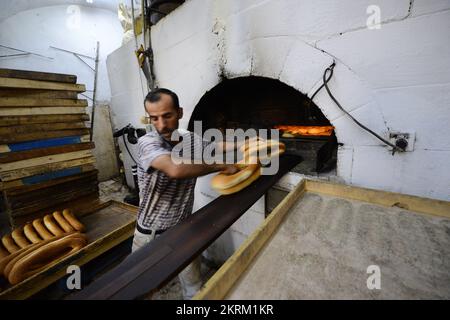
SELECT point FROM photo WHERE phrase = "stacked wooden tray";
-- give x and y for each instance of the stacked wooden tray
(45, 150)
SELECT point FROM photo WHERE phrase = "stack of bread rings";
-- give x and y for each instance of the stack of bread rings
(31, 248)
(254, 153)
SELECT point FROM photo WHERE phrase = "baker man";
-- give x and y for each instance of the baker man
(166, 186)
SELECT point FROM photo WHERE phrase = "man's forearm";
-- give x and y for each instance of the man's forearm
(184, 171)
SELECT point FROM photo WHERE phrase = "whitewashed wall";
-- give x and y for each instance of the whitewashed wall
(393, 78)
(74, 28)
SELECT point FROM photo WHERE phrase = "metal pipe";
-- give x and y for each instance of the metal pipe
(95, 90)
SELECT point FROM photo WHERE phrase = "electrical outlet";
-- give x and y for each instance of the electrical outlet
(402, 139)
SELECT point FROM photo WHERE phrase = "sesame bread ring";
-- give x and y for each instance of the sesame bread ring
(42, 257)
(62, 222)
(256, 174)
(225, 181)
(52, 226)
(10, 244)
(31, 234)
(42, 230)
(70, 217)
(19, 238)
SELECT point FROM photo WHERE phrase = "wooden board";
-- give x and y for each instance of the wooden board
(33, 102)
(21, 164)
(40, 111)
(38, 94)
(32, 181)
(37, 75)
(229, 274)
(33, 84)
(41, 119)
(34, 153)
(21, 189)
(41, 127)
(45, 143)
(40, 135)
(31, 171)
(108, 224)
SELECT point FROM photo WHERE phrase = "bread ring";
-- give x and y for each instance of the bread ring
(17, 255)
(3, 252)
(19, 237)
(70, 217)
(41, 230)
(9, 244)
(31, 234)
(62, 222)
(269, 144)
(6, 261)
(225, 181)
(256, 174)
(52, 226)
(49, 253)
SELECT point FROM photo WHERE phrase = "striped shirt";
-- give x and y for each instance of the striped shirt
(164, 201)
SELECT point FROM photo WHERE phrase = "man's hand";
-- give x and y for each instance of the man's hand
(230, 169)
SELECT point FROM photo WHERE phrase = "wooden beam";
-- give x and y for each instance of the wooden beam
(33, 102)
(26, 120)
(21, 164)
(21, 137)
(223, 280)
(40, 111)
(34, 153)
(32, 171)
(384, 198)
(37, 75)
(42, 85)
(38, 94)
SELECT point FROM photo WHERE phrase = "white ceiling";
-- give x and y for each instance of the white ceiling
(9, 8)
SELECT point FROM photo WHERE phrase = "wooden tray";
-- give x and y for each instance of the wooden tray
(107, 225)
(290, 257)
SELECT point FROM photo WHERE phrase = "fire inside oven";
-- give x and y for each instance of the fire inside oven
(261, 103)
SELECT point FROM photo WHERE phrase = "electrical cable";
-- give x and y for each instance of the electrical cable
(126, 146)
(325, 84)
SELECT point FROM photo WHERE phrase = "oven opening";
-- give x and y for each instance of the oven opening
(262, 103)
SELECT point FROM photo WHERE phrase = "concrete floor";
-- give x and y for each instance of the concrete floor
(324, 247)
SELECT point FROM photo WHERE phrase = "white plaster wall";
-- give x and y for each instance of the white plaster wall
(394, 78)
(37, 29)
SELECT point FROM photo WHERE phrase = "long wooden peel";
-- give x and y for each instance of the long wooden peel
(151, 267)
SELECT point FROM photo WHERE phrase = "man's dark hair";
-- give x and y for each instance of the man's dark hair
(155, 96)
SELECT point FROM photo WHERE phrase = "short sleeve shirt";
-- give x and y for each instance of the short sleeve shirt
(164, 201)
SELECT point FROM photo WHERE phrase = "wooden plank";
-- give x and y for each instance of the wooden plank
(43, 196)
(42, 280)
(80, 206)
(38, 94)
(46, 85)
(34, 153)
(40, 111)
(17, 190)
(223, 280)
(37, 75)
(41, 119)
(45, 143)
(384, 198)
(46, 177)
(21, 164)
(27, 172)
(42, 127)
(33, 102)
(32, 136)
(57, 199)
